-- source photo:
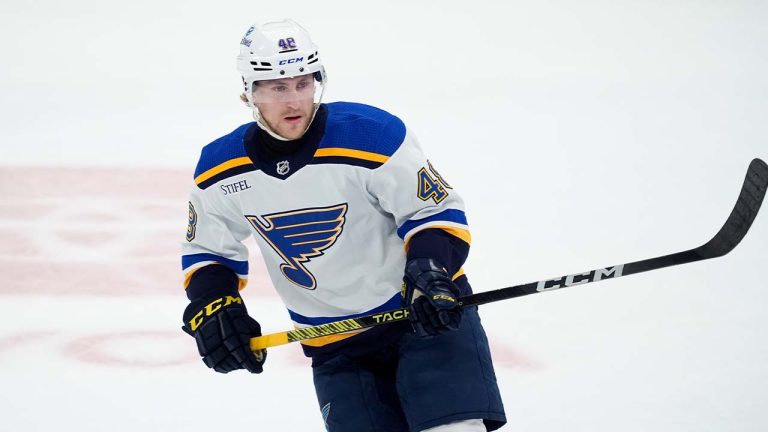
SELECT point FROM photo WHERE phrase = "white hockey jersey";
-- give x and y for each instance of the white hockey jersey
(332, 229)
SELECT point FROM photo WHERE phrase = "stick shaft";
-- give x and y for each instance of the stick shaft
(733, 231)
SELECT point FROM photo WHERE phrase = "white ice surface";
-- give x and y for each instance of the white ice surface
(581, 134)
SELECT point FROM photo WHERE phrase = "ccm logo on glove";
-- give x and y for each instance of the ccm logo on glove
(211, 308)
(444, 297)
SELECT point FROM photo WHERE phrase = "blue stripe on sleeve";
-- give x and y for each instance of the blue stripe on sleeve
(450, 215)
(239, 267)
(396, 302)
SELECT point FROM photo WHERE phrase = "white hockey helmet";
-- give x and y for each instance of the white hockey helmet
(281, 49)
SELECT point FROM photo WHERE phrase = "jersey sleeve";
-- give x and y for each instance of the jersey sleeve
(450, 251)
(213, 238)
(409, 187)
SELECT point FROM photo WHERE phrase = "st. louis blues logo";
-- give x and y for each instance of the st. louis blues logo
(300, 235)
(326, 409)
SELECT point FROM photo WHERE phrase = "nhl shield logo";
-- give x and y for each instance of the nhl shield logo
(283, 167)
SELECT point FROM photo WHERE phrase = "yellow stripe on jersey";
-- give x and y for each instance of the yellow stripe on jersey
(351, 153)
(232, 163)
(188, 277)
(456, 232)
(458, 274)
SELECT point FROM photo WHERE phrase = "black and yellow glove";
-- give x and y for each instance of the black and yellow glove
(431, 297)
(223, 330)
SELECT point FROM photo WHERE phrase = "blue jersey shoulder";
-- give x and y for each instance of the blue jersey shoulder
(222, 150)
(361, 127)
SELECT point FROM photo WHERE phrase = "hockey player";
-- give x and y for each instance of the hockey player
(351, 219)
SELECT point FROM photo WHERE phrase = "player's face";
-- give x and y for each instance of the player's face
(286, 104)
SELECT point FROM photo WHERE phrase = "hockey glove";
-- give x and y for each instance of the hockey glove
(223, 330)
(431, 297)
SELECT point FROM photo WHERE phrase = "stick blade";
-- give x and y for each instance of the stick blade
(742, 215)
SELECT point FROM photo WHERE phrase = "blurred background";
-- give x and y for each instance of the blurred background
(580, 134)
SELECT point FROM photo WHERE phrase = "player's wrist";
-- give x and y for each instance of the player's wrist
(211, 281)
(428, 276)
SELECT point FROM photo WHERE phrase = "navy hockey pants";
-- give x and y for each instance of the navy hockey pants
(413, 384)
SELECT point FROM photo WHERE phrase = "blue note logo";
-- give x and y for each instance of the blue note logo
(326, 410)
(300, 235)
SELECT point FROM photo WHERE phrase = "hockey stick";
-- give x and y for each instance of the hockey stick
(732, 232)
